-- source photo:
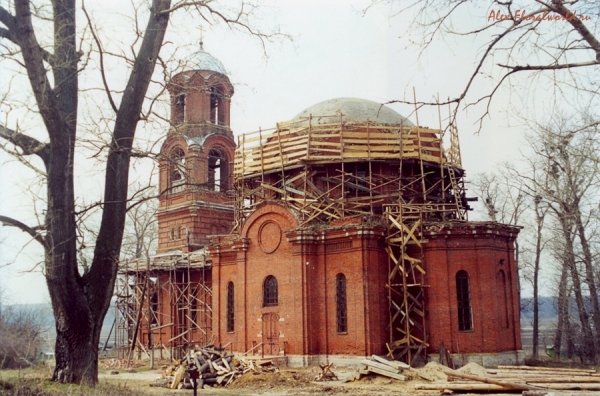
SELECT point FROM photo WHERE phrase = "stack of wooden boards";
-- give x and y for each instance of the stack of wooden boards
(214, 366)
(382, 366)
(518, 378)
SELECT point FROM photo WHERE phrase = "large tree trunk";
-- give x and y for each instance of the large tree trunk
(562, 309)
(536, 272)
(588, 337)
(80, 302)
(590, 279)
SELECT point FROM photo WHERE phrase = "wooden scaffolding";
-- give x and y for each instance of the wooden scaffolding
(325, 168)
(144, 286)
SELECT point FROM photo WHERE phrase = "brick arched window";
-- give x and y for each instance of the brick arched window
(177, 170)
(270, 292)
(503, 303)
(341, 307)
(217, 112)
(230, 308)
(179, 109)
(218, 170)
(463, 296)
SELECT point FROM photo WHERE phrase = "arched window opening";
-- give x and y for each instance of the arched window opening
(177, 167)
(502, 295)
(179, 115)
(270, 297)
(341, 307)
(230, 308)
(217, 115)
(154, 308)
(217, 170)
(463, 295)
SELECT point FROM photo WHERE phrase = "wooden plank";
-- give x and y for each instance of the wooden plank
(492, 387)
(506, 385)
(178, 377)
(461, 387)
(381, 366)
(532, 368)
(387, 373)
(394, 363)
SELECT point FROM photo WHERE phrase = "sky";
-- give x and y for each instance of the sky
(336, 50)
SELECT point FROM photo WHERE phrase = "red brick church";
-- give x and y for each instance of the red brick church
(338, 234)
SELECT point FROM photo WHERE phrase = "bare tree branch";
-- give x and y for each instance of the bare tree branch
(101, 55)
(32, 231)
(549, 67)
(27, 144)
(559, 7)
(11, 33)
(551, 33)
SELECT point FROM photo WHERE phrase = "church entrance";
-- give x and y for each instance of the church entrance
(270, 333)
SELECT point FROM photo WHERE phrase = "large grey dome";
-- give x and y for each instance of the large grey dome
(353, 110)
(205, 61)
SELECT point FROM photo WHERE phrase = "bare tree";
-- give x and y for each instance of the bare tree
(501, 194)
(563, 173)
(80, 299)
(540, 211)
(142, 230)
(558, 38)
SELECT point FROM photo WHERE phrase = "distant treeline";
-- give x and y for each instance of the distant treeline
(547, 307)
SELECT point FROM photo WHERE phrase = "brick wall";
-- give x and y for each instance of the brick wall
(483, 252)
(306, 262)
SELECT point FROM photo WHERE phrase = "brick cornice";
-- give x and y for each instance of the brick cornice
(223, 244)
(475, 229)
(334, 234)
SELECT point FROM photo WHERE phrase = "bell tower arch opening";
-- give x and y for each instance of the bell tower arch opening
(179, 109)
(218, 170)
(217, 111)
(177, 171)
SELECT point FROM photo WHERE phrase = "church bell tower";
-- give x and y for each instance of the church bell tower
(196, 165)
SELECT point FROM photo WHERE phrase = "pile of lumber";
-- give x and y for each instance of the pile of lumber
(214, 367)
(381, 366)
(535, 380)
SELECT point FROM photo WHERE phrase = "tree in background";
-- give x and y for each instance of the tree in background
(564, 174)
(21, 332)
(554, 193)
(45, 43)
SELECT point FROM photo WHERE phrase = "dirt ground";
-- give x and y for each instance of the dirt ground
(291, 381)
(288, 381)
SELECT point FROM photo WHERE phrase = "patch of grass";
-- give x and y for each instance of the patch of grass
(31, 387)
(21, 386)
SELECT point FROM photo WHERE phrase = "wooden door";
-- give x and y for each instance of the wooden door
(270, 333)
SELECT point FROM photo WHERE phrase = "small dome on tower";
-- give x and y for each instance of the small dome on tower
(205, 61)
(353, 110)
